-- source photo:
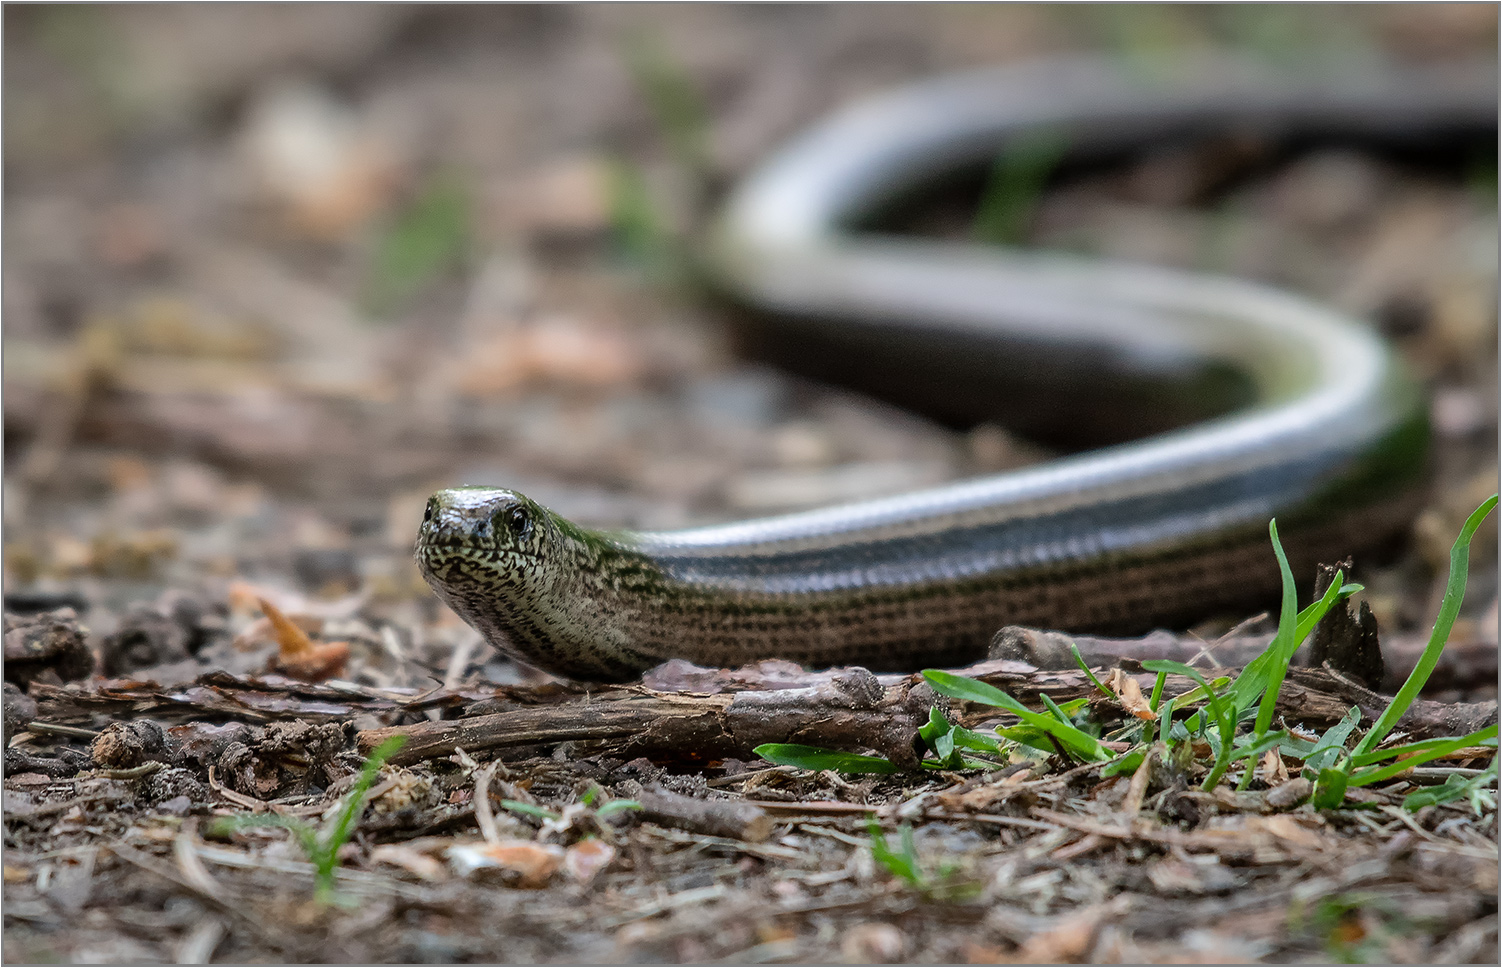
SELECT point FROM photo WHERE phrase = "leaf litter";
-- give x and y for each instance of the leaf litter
(291, 477)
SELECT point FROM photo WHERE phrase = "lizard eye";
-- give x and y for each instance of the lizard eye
(520, 522)
(428, 514)
(516, 520)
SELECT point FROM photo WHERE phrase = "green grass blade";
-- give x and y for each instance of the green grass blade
(1337, 592)
(1254, 678)
(972, 690)
(676, 104)
(528, 810)
(1377, 756)
(1330, 788)
(1157, 696)
(1217, 705)
(1058, 713)
(1449, 609)
(936, 728)
(322, 846)
(902, 862)
(1078, 742)
(1295, 747)
(1222, 711)
(1475, 789)
(1079, 660)
(1015, 184)
(1126, 764)
(615, 806)
(1329, 746)
(816, 758)
(430, 238)
(1378, 774)
(973, 740)
(1071, 708)
(1261, 746)
(1283, 643)
(636, 226)
(1453, 788)
(1034, 739)
(943, 747)
(354, 803)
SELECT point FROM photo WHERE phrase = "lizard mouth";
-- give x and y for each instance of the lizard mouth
(444, 546)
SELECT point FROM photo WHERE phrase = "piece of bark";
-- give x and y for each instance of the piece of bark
(734, 819)
(219, 695)
(1345, 640)
(49, 642)
(1463, 663)
(20, 709)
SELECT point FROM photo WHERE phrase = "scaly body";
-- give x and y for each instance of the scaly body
(1330, 437)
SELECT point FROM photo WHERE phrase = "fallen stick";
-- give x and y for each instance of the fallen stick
(849, 709)
(734, 819)
(845, 709)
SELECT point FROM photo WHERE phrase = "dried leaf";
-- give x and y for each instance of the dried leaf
(1350, 930)
(534, 864)
(979, 954)
(1068, 941)
(1130, 694)
(262, 632)
(1170, 875)
(413, 861)
(1287, 829)
(299, 656)
(1137, 789)
(293, 643)
(586, 859)
(551, 350)
(1274, 771)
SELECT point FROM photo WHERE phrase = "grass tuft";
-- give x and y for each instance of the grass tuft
(936, 884)
(1014, 187)
(322, 844)
(427, 240)
(1233, 718)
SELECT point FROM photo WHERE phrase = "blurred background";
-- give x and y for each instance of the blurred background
(273, 273)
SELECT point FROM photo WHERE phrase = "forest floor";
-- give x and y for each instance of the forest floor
(275, 273)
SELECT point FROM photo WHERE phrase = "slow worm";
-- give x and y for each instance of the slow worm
(1297, 412)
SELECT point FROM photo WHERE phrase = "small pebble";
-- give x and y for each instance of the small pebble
(873, 942)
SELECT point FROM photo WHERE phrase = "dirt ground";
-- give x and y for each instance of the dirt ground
(272, 274)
